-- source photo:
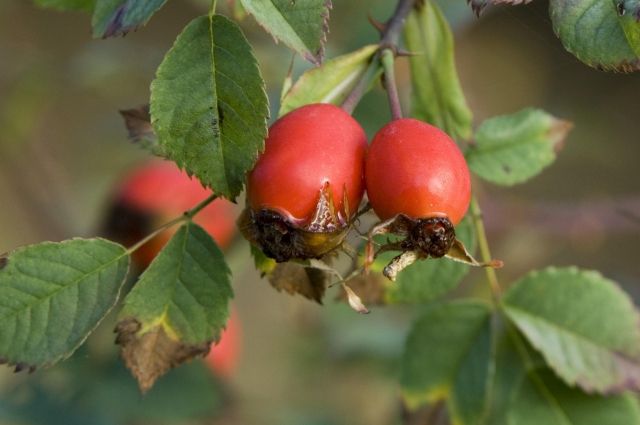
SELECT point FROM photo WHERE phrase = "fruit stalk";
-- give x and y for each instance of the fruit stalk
(188, 215)
(388, 59)
(389, 36)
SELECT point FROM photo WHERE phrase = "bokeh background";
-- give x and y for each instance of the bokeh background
(63, 150)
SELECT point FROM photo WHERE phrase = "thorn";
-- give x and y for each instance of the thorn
(406, 53)
(376, 24)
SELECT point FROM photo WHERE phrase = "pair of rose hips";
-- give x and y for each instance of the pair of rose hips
(305, 189)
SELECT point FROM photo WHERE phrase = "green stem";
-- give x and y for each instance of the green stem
(212, 8)
(388, 39)
(367, 79)
(388, 62)
(485, 252)
(188, 215)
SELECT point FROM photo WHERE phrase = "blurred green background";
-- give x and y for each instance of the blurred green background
(63, 149)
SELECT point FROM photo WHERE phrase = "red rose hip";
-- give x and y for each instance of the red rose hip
(156, 192)
(307, 184)
(415, 171)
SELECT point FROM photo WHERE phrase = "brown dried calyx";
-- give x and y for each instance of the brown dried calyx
(283, 239)
(432, 237)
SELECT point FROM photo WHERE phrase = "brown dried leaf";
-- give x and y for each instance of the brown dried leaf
(138, 123)
(153, 353)
(371, 288)
(295, 278)
(354, 301)
(558, 133)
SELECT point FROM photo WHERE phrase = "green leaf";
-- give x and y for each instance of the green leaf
(629, 13)
(595, 34)
(543, 399)
(177, 308)
(448, 356)
(437, 94)
(511, 149)
(583, 324)
(118, 17)
(301, 24)
(329, 83)
(208, 104)
(84, 5)
(53, 295)
(426, 280)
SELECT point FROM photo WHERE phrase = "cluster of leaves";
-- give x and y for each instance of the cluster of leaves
(562, 346)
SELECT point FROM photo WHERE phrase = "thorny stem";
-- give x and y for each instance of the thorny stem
(188, 215)
(388, 60)
(388, 40)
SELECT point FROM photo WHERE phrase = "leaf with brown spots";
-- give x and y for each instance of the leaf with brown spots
(177, 308)
(151, 354)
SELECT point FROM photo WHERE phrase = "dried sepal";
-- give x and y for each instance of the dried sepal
(282, 238)
(423, 238)
(399, 263)
(459, 253)
(354, 300)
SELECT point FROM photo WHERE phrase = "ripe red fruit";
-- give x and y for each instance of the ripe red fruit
(416, 169)
(307, 183)
(223, 357)
(157, 192)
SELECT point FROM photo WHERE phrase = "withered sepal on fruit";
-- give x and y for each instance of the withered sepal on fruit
(283, 238)
(432, 237)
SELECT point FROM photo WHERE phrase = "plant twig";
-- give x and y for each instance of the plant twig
(388, 61)
(485, 252)
(188, 215)
(388, 39)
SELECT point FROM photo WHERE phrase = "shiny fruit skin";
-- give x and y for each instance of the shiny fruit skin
(416, 169)
(160, 191)
(223, 357)
(307, 148)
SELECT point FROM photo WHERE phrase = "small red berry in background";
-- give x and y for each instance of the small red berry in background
(223, 357)
(156, 192)
(308, 182)
(416, 169)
